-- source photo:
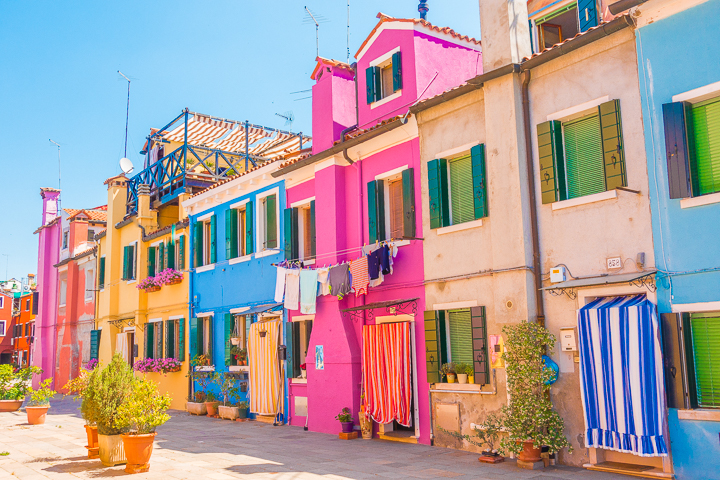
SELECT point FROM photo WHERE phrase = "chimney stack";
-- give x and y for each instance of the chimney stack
(423, 9)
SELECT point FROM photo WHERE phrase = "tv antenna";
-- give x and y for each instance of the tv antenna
(314, 18)
(289, 117)
(348, 31)
(127, 115)
(58, 203)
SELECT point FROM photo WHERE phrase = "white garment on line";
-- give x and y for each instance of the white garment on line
(324, 284)
(292, 289)
(280, 284)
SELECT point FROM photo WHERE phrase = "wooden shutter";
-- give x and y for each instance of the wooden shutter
(705, 132)
(587, 14)
(677, 148)
(372, 212)
(211, 338)
(479, 341)
(231, 233)
(408, 201)
(169, 339)
(151, 261)
(94, 344)
(181, 253)
(397, 71)
(460, 175)
(313, 235)
(229, 327)
(370, 84)
(101, 273)
(149, 340)
(271, 221)
(161, 257)
(479, 181)
(213, 239)
(676, 385)
(613, 147)
(180, 352)
(461, 338)
(296, 371)
(170, 254)
(126, 263)
(249, 231)
(550, 149)
(437, 188)
(291, 233)
(194, 337)
(706, 358)
(585, 171)
(134, 254)
(159, 339)
(433, 347)
(197, 245)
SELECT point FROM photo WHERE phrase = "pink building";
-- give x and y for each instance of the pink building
(366, 166)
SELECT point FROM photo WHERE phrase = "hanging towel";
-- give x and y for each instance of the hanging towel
(359, 272)
(339, 278)
(621, 376)
(308, 291)
(280, 284)
(386, 372)
(324, 287)
(292, 289)
(264, 367)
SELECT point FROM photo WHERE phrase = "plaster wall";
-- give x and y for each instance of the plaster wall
(6, 316)
(333, 93)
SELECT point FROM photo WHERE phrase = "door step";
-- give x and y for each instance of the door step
(404, 437)
(644, 471)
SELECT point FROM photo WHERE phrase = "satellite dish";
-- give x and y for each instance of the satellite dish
(126, 165)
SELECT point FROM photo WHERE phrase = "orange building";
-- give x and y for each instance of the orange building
(23, 328)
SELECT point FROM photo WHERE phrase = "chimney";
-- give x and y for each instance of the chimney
(50, 204)
(144, 214)
(505, 32)
(423, 9)
(117, 199)
(333, 102)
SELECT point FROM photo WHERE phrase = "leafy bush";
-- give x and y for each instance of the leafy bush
(242, 405)
(106, 390)
(464, 368)
(228, 390)
(15, 384)
(41, 397)
(142, 410)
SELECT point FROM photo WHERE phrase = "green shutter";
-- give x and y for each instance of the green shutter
(94, 344)
(432, 347)
(613, 148)
(126, 263)
(197, 245)
(370, 84)
(161, 257)
(194, 337)
(213, 239)
(290, 350)
(180, 353)
(479, 181)
(479, 346)
(101, 273)
(584, 157)
(181, 253)
(313, 236)
(249, 231)
(461, 190)
(169, 339)
(231, 233)
(289, 239)
(151, 261)
(229, 327)
(706, 147)
(706, 358)
(397, 71)
(552, 163)
(437, 189)
(133, 261)
(408, 203)
(170, 254)
(149, 339)
(211, 338)
(377, 76)
(271, 221)
(159, 339)
(380, 205)
(372, 211)
(461, 348)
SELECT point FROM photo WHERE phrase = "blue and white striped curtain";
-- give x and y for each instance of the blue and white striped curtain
(621, 375)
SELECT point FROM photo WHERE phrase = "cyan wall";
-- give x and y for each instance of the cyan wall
(675, 55)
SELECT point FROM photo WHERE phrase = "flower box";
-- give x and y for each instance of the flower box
(151, 289)
(158, 365)
(174, 281)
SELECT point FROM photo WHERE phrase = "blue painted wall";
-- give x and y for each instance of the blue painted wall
(675, 55)
(228, 286)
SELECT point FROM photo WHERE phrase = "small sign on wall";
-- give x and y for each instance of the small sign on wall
(319, 357)
(497, 347)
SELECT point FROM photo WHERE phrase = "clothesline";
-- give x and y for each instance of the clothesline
(339, 252)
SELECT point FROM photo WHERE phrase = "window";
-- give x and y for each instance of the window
(582, 156)
(66, 237)
(101, 273)
(692, 140)
(561, 23)
(90, 235)
(205, 242)
(269, 215)
(705, 331)
(384, 78)
(238, 231)
(130, 262)
(201, 334)
(457, 189)
(180, 253)
(2, 301)
(89, 284)
(161, 257)
(165, 339)
(27, 304)
(27, 329)
(63, 292)
(33, 329)
(391, 207)
(237, 330)
(458, 336)
(299, 341)
(154, 339)
(3, 326)
(300, 239)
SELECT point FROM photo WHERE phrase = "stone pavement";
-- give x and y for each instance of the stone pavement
(204, 448)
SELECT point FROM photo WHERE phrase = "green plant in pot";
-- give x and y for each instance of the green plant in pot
(239, 354)
(346, 420)
(485, 436)
(39, 404)
(448, 370)
(143, 410)
(243, 408)
(77, 386)
(229, 392)
(14, 386)
(529, 418)
(463, 372)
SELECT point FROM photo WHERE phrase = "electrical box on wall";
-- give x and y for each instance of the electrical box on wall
(557, 274)
(568, 339)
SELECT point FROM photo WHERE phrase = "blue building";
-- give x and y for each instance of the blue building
(680, 87)
(236, 237)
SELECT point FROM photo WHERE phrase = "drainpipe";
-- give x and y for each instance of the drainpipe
(537, 272)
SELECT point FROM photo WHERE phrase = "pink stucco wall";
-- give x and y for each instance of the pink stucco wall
(333, 93)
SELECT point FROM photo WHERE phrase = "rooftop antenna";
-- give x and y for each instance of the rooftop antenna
(317, 20)
(348, 31)
(423, 9)
(127, 112)
(289, 117)
(59, 194)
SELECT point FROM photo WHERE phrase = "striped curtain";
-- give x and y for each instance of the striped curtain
(386, 372)
(621, 375)
(265, 381)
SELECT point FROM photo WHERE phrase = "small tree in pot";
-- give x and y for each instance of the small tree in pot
(229, 393)
(77, 386)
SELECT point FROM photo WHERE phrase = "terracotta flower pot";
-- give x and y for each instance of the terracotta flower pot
(530, 453)
(347, 427)
(36, 415)
(196, 408)
(11, 405)
(92, 446)
(138, 449)
(111, 450)
(212, 408)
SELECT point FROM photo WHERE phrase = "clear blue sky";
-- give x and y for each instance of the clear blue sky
(230, 58)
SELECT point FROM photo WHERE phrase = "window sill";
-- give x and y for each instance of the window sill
(387, 99)
(205, 268)
(708, 199)
(130, 282)
(299, 381)
(456, 388)
(61, 305)
(266, 253)
(587, 199)
(206, 368)
(700, 414)
(459, 227)
(244, 258)
(239, 368)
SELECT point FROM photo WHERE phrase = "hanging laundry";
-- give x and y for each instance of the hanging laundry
(386, 260)
(308, 291)
(378, 281)
(373, 260)
(324, 287)
(339, 278)
(292, 289)
(280, 284)
(359, 272)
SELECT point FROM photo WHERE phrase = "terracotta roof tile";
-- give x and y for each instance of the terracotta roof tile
(94, 214)
(362, 131)
(333, 63)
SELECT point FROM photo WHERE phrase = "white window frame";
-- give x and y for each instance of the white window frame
(2, 301)
(63, 286)
(206, 243)
(66, 239)
(89, 286)
(382, 61)
(3, 328)
(135, 255)
(242, 241)
(260, 250)
(302, 204)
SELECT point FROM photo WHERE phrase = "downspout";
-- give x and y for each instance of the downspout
(537, 272)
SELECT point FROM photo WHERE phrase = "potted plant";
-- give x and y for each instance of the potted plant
(106, 390)
(158, 365)
(303, 370)
(239, 354)
(39, 404)
(142, 411)
(14, 386)
(211, 402)
(345, 419)
(202, 363)
(77, 386)
(243, 408)
(485, 437)
(169, 276)
(463, 370)
(229, 391)
(149, 284)
(529, 417)
(448, 370)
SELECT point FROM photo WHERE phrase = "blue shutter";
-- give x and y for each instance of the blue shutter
(370, 84)
(479, 181)
(587, 14)
(397, 71)
(675, 118)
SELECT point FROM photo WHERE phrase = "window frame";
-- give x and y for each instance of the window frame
(394, 175)
(563, 124)
(3, 328)
(692, 353)
(303, 206)
(90, 235)
(2, 301)
(261, 219)
(89, 284)
(380, 63)
(27, 304)
(303, 331)
(466, 155)
(66, 239)
(62, 294)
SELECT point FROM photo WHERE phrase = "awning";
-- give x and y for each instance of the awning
(392, 307)
(251, 310)
(638, 278)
